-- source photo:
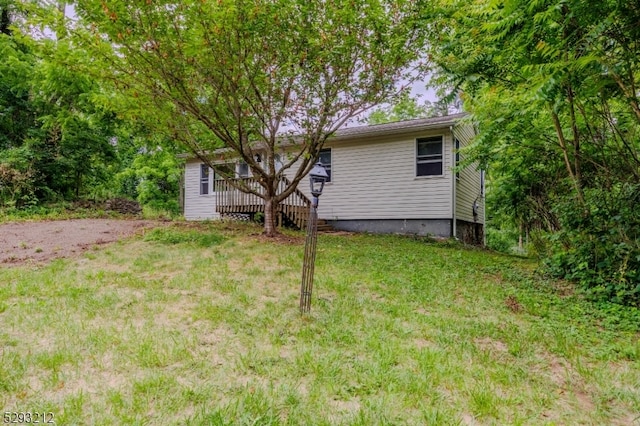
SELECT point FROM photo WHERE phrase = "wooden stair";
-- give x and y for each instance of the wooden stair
(323, 226)
(294, 210)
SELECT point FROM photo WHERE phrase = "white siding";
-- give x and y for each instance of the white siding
(468, 186)
(196, 206)
(376, 179)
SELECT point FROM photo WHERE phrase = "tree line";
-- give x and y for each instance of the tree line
(61, 135)
(553, 86)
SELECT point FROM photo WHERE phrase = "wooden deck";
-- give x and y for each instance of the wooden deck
(230, 200)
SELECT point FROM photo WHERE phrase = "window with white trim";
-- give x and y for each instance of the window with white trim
(205, 179)
(325, 159)
(243, 169)
(429, 158)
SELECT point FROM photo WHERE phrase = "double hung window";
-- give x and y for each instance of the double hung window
(205, 180)
(429, 158)
(325, 159)
(243, 169)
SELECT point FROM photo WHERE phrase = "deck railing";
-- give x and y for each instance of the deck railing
(229, 200)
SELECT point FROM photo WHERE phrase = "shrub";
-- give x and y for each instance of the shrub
(600, 249)
(500, 240)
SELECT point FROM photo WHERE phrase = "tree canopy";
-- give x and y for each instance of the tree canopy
(60, 137)
(553, 86)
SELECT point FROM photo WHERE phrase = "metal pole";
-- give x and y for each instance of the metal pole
(309, 258)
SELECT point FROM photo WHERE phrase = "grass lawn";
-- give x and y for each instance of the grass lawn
(199, 325)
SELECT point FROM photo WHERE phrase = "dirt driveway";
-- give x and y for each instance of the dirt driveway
(37, 242)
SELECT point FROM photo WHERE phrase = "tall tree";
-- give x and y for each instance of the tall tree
(553, 85)
(55, 140)
(245, 74)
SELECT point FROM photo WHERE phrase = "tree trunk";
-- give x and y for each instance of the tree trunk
(520, 246)
(270, 213)
(181, 192)
(567, 161)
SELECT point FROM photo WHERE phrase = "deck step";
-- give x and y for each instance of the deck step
(323, 226)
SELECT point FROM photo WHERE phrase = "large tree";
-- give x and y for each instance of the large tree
(553, 85)
(241, 74)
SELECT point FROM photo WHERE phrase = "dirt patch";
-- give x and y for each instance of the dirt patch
(38, 242)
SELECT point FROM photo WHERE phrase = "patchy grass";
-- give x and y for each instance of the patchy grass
(60, 211)
(199, 325)
(77, 210)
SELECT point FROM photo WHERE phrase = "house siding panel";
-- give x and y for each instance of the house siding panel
(197, 207)
(374, 184)
(468, 187)
(376, 179)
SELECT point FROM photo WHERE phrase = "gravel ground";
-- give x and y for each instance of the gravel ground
(39, 242)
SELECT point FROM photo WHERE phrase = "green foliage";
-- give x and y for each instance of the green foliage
(552, 86)
(404, 107)
(17, 115)
(601, 250)
(153, 178)
(55, 142)
(17, 182)
(501, 240)
(60, 138)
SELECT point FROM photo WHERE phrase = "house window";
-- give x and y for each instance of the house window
(226, 169)
(277, 161)
(325, 159)
(205, 172)
(243, 170)
(429, 156)
(482, 182)
(457, 157)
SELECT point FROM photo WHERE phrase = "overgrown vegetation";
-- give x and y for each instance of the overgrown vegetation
(402, 331)
(552, 86)
(61, 138)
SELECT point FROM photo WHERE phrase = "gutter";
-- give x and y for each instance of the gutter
(454, 229)
(361, 132)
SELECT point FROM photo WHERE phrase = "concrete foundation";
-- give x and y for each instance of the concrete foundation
(424, 227)
(470, 232)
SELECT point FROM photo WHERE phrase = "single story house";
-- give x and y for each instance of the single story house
(388, 178)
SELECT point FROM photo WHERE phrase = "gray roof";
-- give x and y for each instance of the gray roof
(396, 127)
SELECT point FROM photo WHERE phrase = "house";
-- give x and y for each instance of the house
(388, 178)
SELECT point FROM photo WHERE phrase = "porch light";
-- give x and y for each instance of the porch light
(317, 177)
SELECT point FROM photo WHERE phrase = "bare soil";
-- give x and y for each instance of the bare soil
(42, 241)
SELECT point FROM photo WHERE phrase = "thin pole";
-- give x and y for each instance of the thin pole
(309, 258)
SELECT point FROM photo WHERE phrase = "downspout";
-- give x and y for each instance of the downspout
(454, 230)
(484, 209)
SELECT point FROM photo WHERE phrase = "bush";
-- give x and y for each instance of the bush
(600, 249)
(500, 240)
